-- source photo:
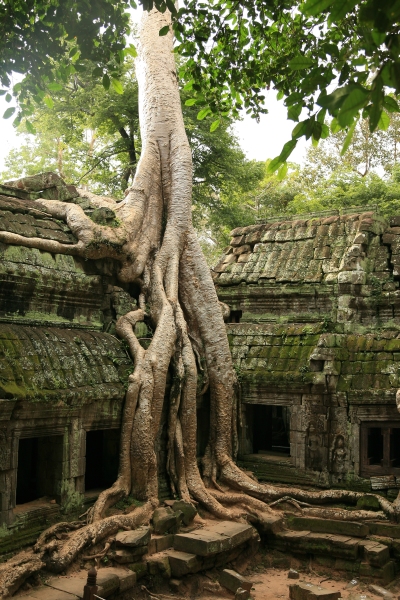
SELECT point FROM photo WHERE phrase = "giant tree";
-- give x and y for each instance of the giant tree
(156, 247)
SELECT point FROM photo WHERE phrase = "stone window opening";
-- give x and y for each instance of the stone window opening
(316, 365)
(235, 316)
(271, 429)
(380, 449)
(39, 470)
(102, 458)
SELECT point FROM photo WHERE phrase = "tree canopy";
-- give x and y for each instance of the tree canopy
(322, 57)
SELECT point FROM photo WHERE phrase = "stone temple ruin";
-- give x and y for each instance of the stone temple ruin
(314, 332)
(314, 328)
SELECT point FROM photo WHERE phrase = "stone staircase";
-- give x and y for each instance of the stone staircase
(362, 549)
(176, 547)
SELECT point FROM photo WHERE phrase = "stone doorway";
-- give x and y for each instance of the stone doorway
(39, 471)
(271, 429)
(102, 457)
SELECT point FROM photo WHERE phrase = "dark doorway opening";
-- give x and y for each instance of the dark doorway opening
(375, 446)
(39, 471)
(271, 429)
(235, 316)
(102, 456)
(380, 449)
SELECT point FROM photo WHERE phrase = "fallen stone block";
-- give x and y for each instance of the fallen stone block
(124, 556)
(385, 573)
(376, 554)
(188, 510)
(134, 538)
(380, 591)
(308, 591)
(293, 574)
(159, 564)
(233, 581)
(139, 568)
(164, 519)
(108, 582)
(164, 542)
(329, 526)
(183, 563)
(127, 578)
(213, 539)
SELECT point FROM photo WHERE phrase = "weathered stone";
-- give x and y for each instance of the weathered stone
(213, 539)
(129, 556)
(292, 574)
(159, 564)
(233, 581)
(380, 591)
(308, 591)
(188, 510)
(183, 563)
(164, 519)
(329, 526)
(134, 538)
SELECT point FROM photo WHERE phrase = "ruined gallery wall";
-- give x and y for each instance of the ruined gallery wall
(318, 302)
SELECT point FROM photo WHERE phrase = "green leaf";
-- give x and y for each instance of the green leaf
(300, 62)
(2, 92)
(131, 50)
(321, 115)
(190, 102)
(356, 100)
(97, 72)
(48, 100)
(390, 104)
(314, 7)
(282, 171)
(335, 100)
(215, 125)
(55, 87)
(106, 82)
(279, 95)
(117, 86)
(324, 132)
(284, 155)
(203, 113)
(335, 127)
(294, 112)
(164, 30)
(73, 51)
(30, 128)
(348, 138)
(9, 112)
(341, 7)
(8, 98)
(384, 121)
(300, 129)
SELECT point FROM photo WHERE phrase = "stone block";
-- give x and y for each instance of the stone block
(349, 528)
(385, 573)
(159, 564)
(164, 519)
(233, 581)
(380, 591)
(183, 563)
(135, 538)
(126, 578)
(213, 539)
(188, 510)
(107, 582)
(164, 542)
(139, 568)
(292, 574)
(376, 554)
(129, 555)
(308, 591)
